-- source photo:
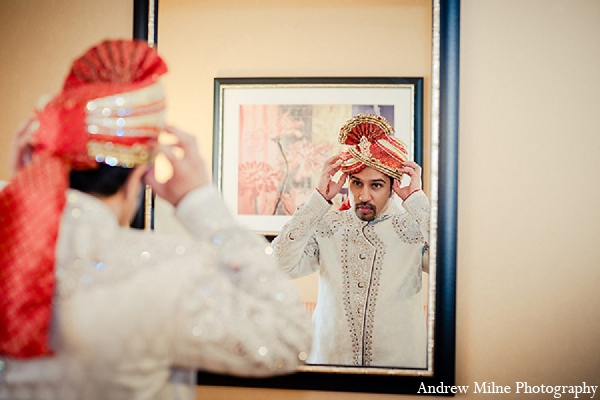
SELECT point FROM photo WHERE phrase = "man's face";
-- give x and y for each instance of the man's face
(371, 191)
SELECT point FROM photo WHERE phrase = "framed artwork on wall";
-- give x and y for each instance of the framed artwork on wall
(273, 135)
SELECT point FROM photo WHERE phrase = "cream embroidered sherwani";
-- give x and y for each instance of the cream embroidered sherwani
(135, 312)
(369, 309)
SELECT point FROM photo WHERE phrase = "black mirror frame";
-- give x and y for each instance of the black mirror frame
(445, 313)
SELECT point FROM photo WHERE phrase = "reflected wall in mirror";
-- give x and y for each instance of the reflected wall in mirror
(205, 40)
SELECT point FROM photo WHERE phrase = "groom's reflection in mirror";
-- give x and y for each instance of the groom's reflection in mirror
(370, 253)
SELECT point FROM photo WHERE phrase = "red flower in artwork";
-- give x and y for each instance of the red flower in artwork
(284, 126)
(255, 178)
(308, 157)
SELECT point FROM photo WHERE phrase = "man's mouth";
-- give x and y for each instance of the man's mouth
(365, 208)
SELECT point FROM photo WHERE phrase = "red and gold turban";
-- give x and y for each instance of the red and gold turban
(370, 143)
(110, 110)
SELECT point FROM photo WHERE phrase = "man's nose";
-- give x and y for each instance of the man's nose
(365, 194)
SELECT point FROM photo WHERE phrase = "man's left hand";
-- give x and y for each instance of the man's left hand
(413, 170)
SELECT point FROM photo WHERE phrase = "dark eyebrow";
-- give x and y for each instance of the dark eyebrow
(379, 180)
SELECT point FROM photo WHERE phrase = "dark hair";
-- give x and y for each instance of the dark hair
(103, 181)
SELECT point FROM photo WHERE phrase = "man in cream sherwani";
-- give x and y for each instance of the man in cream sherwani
(91, 309)
(369, 255)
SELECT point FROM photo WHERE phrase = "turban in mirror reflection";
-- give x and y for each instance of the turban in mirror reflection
(110, 110)
(369, 142)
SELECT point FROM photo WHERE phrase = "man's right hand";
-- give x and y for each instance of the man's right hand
(327, 186)
(189, 170)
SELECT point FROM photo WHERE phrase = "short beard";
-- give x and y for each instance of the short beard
(361, 216)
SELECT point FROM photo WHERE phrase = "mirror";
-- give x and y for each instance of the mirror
(441, 182)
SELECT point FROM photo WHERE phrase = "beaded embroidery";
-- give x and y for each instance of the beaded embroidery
(362, 255)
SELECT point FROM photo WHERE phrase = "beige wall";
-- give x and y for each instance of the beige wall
(529, 224)
(528, 253)
(39, 39)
